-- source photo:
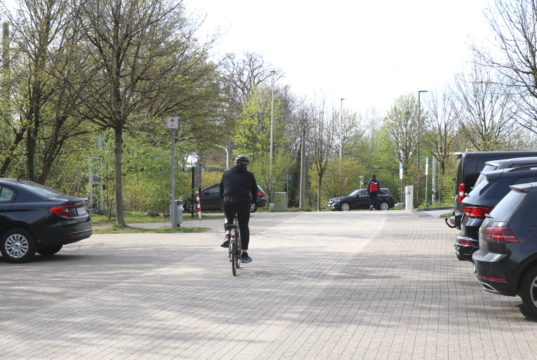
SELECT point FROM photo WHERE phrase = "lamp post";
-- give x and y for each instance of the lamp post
(341, 132)
(419, 141)
(340, 140)
(227, 155)
(271, 118)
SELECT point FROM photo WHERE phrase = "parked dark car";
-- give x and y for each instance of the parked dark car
(359, 199)
(469, 166)
(35, 218)
(482, 200)
(506, 262)
(210, 199)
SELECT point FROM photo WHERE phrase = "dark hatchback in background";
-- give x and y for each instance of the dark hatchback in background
(210, 199)
(506, 262)
(36, 218)
(481, 200)
(469, 166)
(359, 199)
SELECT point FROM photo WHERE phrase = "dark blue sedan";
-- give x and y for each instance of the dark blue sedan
(35, 218)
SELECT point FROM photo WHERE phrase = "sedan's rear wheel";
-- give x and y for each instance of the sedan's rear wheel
(528, 293)
(345, 207)
(48, 251)
(384, 205)
(17, 245)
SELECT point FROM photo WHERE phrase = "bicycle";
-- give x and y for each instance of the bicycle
(234, 250)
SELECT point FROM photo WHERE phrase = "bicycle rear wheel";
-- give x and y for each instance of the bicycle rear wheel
(233, 245)
(239, 248)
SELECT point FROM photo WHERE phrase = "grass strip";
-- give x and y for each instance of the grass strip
(116, 229)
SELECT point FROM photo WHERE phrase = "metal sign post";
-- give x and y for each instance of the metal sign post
(172, 123)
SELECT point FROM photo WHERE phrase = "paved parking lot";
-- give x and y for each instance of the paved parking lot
(356, 285)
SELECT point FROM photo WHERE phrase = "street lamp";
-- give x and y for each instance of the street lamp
(227, 155)
(271, 118)
(419, 140)
(341, 130)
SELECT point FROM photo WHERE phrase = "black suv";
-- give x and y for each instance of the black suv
(469, 165)
(482, 200)
(359, 199)
(506, 262)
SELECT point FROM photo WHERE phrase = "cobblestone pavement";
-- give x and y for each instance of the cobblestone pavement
(331, 285)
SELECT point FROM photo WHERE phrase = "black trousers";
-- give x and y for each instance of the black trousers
(373, 199)
(242, 209)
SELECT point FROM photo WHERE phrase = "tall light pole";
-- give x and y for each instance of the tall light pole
(227, 155)
(341, 130)
(271, 118)
(340, 141)
(419, 141)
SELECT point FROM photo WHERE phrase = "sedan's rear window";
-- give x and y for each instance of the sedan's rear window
(6, 195)
(39, 189)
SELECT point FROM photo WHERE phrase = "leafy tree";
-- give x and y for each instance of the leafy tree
(139, 48)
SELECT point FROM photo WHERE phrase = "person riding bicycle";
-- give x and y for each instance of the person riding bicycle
(238, 190)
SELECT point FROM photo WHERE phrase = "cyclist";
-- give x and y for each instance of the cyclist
(238, 190)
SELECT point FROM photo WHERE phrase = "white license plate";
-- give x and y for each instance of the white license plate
(81, 211)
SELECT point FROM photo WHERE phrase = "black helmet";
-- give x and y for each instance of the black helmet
(241, 160)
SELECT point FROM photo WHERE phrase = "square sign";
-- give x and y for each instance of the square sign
(172, 122)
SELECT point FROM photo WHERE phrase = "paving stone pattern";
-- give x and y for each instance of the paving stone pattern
(331, 285)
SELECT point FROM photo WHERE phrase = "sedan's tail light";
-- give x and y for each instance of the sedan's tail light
(478, 212)
(499, 234)
(64, 210)
(461, 192)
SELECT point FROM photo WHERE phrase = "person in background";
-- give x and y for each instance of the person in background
(373, 188)
(238, 190)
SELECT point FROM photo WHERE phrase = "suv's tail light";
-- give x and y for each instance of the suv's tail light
(500, 234)
(64, 210)
(478, 212)
(461, 192)
(260, 193)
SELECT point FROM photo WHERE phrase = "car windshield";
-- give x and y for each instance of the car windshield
(40, 189)
(354, 193)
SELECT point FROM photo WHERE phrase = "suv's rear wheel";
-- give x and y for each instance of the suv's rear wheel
(253, 207)
(17, 245)
(528, 293)
(384, 205)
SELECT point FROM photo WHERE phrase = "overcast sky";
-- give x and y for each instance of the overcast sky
(368, 52)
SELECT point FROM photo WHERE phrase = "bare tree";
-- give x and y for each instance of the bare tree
(514, 22)
(402, 129)
(484, 109)
(322, 131)
(442, 126)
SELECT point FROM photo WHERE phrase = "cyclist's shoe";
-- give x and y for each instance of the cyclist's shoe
(225, 243)
(245, 258)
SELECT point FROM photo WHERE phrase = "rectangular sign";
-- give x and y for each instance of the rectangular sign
(172, 122)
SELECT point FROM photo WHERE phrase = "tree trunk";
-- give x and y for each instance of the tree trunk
(120, 219)
(319, 193)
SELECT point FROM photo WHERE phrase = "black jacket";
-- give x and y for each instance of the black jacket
(238, 184)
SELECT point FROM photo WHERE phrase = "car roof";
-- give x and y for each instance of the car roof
(526, 187)
(511, 172)
(513, 161)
